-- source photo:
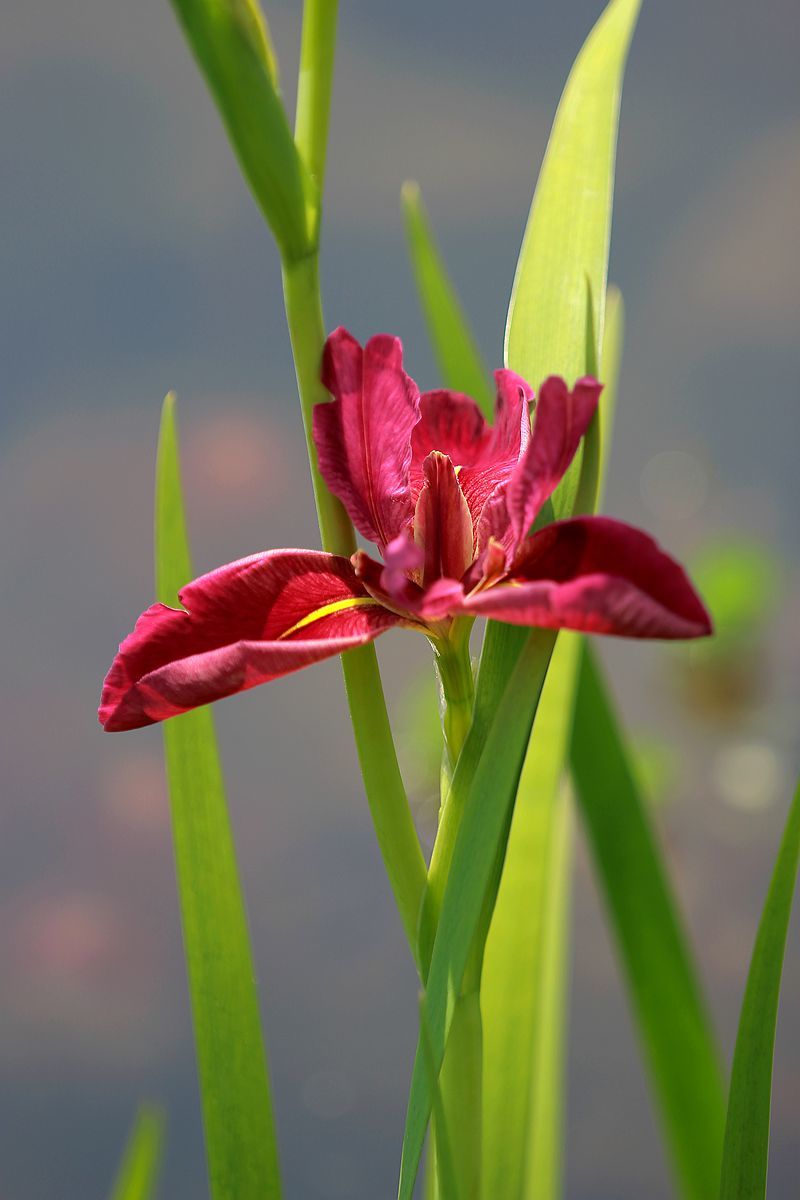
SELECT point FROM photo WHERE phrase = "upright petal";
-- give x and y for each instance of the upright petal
(560, 421)
(600, 576)
(243, 624)
(483, 454)
(442, 522)
(451, 423)
(363, 436)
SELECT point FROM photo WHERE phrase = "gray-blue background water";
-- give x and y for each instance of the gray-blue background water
(134, 261)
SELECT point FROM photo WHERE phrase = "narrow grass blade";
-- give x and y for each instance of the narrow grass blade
(231, 44)
(569, 227)
(456, 351)
(673, 1023)
(138, 1171)
(745, 1156)
(237, 1112)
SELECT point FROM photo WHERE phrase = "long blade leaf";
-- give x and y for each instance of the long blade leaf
(574, 194)
(240, 1138)
(231, 44)
(745, 1156)
(667, 1002)
(569, 227)
(138, 1171)
(457, 354)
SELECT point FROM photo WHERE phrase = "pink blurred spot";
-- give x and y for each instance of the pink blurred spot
(236, 459)
(70, 936)
(133, 794)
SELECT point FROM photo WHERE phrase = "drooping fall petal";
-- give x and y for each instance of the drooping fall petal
(596, 575)
(244, 624)
(363, 436)
(561, 419)
(442, 522)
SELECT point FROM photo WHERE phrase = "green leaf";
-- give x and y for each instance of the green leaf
(230, 42)
(668, 1006)
(138, 1171)
(569, 228)
(745, 1156)
(523, 993)
(457, 354)
(237, 1111)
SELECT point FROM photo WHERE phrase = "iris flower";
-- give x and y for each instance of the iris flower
(449, 501)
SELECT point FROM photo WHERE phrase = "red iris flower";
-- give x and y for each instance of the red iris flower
(449, 502)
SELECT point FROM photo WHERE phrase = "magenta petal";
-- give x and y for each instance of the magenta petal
(363, 436)
(600, 576)
(246, 623)
(560, 421)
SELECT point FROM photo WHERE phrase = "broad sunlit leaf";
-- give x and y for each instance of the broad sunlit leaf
(668, 1006)
(237, 1111)
(230, 41)
(746, 1151)
(456, 351)
(138, 1172)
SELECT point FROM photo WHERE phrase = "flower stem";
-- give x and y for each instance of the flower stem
(454, 669)
(383, 783)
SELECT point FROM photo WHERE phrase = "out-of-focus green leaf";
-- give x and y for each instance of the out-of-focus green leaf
(567, 236)
(237, 1111)
(673, 1023)
(138, 1171)
(523, 999)
(230, 41)
(457, 354)
(739, 580)
(745, 1156)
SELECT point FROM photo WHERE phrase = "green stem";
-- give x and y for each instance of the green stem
(454, 668)
(301, 295)
(378, 759)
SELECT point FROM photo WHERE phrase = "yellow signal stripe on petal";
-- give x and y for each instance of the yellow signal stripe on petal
(328, 609)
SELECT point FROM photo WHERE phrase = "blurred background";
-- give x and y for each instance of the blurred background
(134, 261)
